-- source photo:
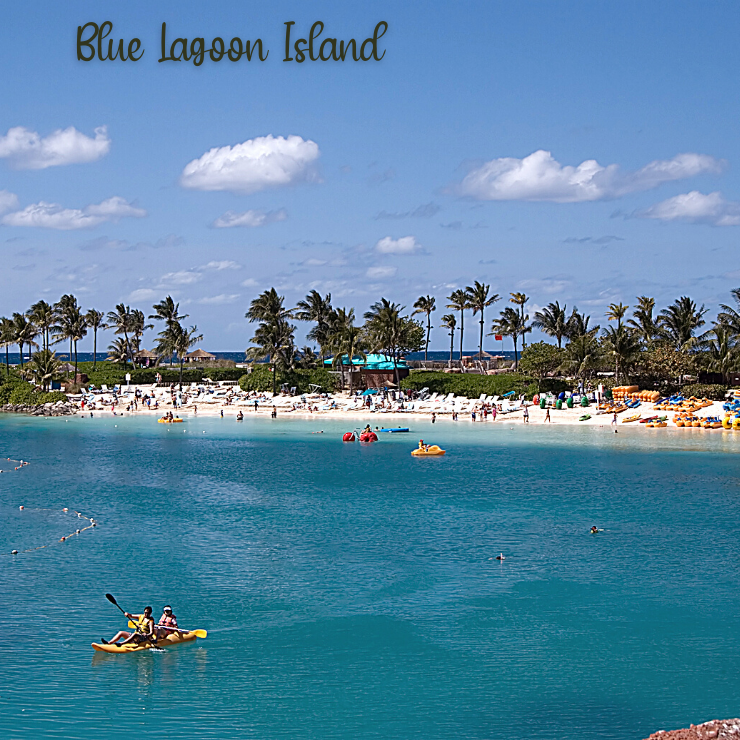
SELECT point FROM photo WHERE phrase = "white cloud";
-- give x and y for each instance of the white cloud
(381, 272)
(539, 177)
(181, 277)
(249, 283)
(249, 218)
(404, 245)
(26, 150)
(53, 216)
(143, 294)
(253, 165)
(8, 201)
(221, 265)
(218, 300)
(695, 208)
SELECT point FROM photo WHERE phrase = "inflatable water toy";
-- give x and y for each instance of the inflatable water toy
(585, 417)
(368, 437)
(348, 437)
(176, 420)
(394, 431)
(648, 419)
(428, 451)
(628, 419)
(173, 639)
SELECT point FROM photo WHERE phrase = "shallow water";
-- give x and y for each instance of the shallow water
(350, 592)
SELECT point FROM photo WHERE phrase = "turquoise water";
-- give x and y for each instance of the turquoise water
(349, 592)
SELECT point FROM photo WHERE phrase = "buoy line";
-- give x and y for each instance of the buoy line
(19, 464)
(92, 523)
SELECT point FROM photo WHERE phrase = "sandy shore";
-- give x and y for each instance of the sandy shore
(291, 406)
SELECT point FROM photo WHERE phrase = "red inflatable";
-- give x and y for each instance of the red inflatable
(368, 437)
(348, 437)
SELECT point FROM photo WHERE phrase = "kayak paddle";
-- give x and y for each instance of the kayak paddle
(198, 633)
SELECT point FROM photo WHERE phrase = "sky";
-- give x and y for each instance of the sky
(575, 151)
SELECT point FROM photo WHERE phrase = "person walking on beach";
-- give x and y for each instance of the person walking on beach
(547, 415)
(274, 413)
(434, 417)
(526, 414)
(614, 418)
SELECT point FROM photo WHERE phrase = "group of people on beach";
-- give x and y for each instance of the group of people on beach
(144, 628)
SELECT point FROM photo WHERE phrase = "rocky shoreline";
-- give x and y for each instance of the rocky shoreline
(60, 408)
(716, 729)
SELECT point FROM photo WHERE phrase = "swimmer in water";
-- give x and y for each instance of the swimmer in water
(500, 557)
(595, 530)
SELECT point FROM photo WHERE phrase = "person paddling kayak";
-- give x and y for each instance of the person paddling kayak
(167, 620)
(144, 630)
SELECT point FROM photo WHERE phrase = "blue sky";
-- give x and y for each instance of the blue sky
(416, 174)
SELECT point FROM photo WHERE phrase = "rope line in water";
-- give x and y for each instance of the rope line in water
(92, 523)
(20, 464)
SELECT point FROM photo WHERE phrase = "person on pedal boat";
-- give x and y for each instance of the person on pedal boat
(166, 621)
(144, 630)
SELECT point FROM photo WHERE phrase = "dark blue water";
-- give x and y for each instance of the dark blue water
(350, 592)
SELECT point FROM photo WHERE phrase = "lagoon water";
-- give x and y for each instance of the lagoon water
(350, 592)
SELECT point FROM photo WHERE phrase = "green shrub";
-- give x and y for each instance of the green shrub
(473, 386)
(711, 391)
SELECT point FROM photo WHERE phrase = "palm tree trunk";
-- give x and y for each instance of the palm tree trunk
(95, 348)
(70, 354)
(75, 360)
(20, 347)
(524, 336)
(462, 326)
(7, 362)
(516, 357)
(429, 329)
(480, 344)
(182, 359)
(452, 345)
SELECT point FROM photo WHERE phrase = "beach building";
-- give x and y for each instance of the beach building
(373, 371)
(200, 355)
(145, 358)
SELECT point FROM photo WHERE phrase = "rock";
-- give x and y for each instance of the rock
(727, 729)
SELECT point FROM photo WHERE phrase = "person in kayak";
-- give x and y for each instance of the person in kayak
(166, 621)
(143, 632)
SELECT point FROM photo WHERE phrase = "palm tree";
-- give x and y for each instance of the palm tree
(459, 301)
(577, 325)
(479, 299)
(722, 346)
(510, 324)
(43, 368)
(622, 345)
(616, 312)
(425, 304)
(70, 325)
(680, 320)
(183, 341)
(7, 337)
(730, 316)
(138, 327)
(120, 321)
(643, 321)
(169, 312)
(318, 310)
(95, 320)
(346, 340)
(118, 351)
(274, 341)
(42, 314)
(552, 321)
(520, 299)
(24, 333)
(582, 354)
(267, 306)
(450, 322)
(383, 329)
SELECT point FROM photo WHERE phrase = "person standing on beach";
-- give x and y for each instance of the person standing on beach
(434, 417)
(493, 411)
(274, 413)
(614, 418)
(547, 415)
(526, 414)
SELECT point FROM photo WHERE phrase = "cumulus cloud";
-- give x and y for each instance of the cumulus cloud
(380, 272)
(53, 216)
(218, 300)
(26, 150)
(8, 201)
(221, 265)
(695, 208)
(256, 164)
(142, 294)
(249, 218)
(180, 277)
(404, 245)
(539, 177)
(600, 240)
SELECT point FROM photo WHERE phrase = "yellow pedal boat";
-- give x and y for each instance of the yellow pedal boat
(176, 420)
(430, 451)
(173, 639)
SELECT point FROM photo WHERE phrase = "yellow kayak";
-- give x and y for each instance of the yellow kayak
(173, 639)
(634, 417)
(430, 451)
(176, 420)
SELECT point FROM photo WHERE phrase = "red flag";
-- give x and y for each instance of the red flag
(499, 338)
